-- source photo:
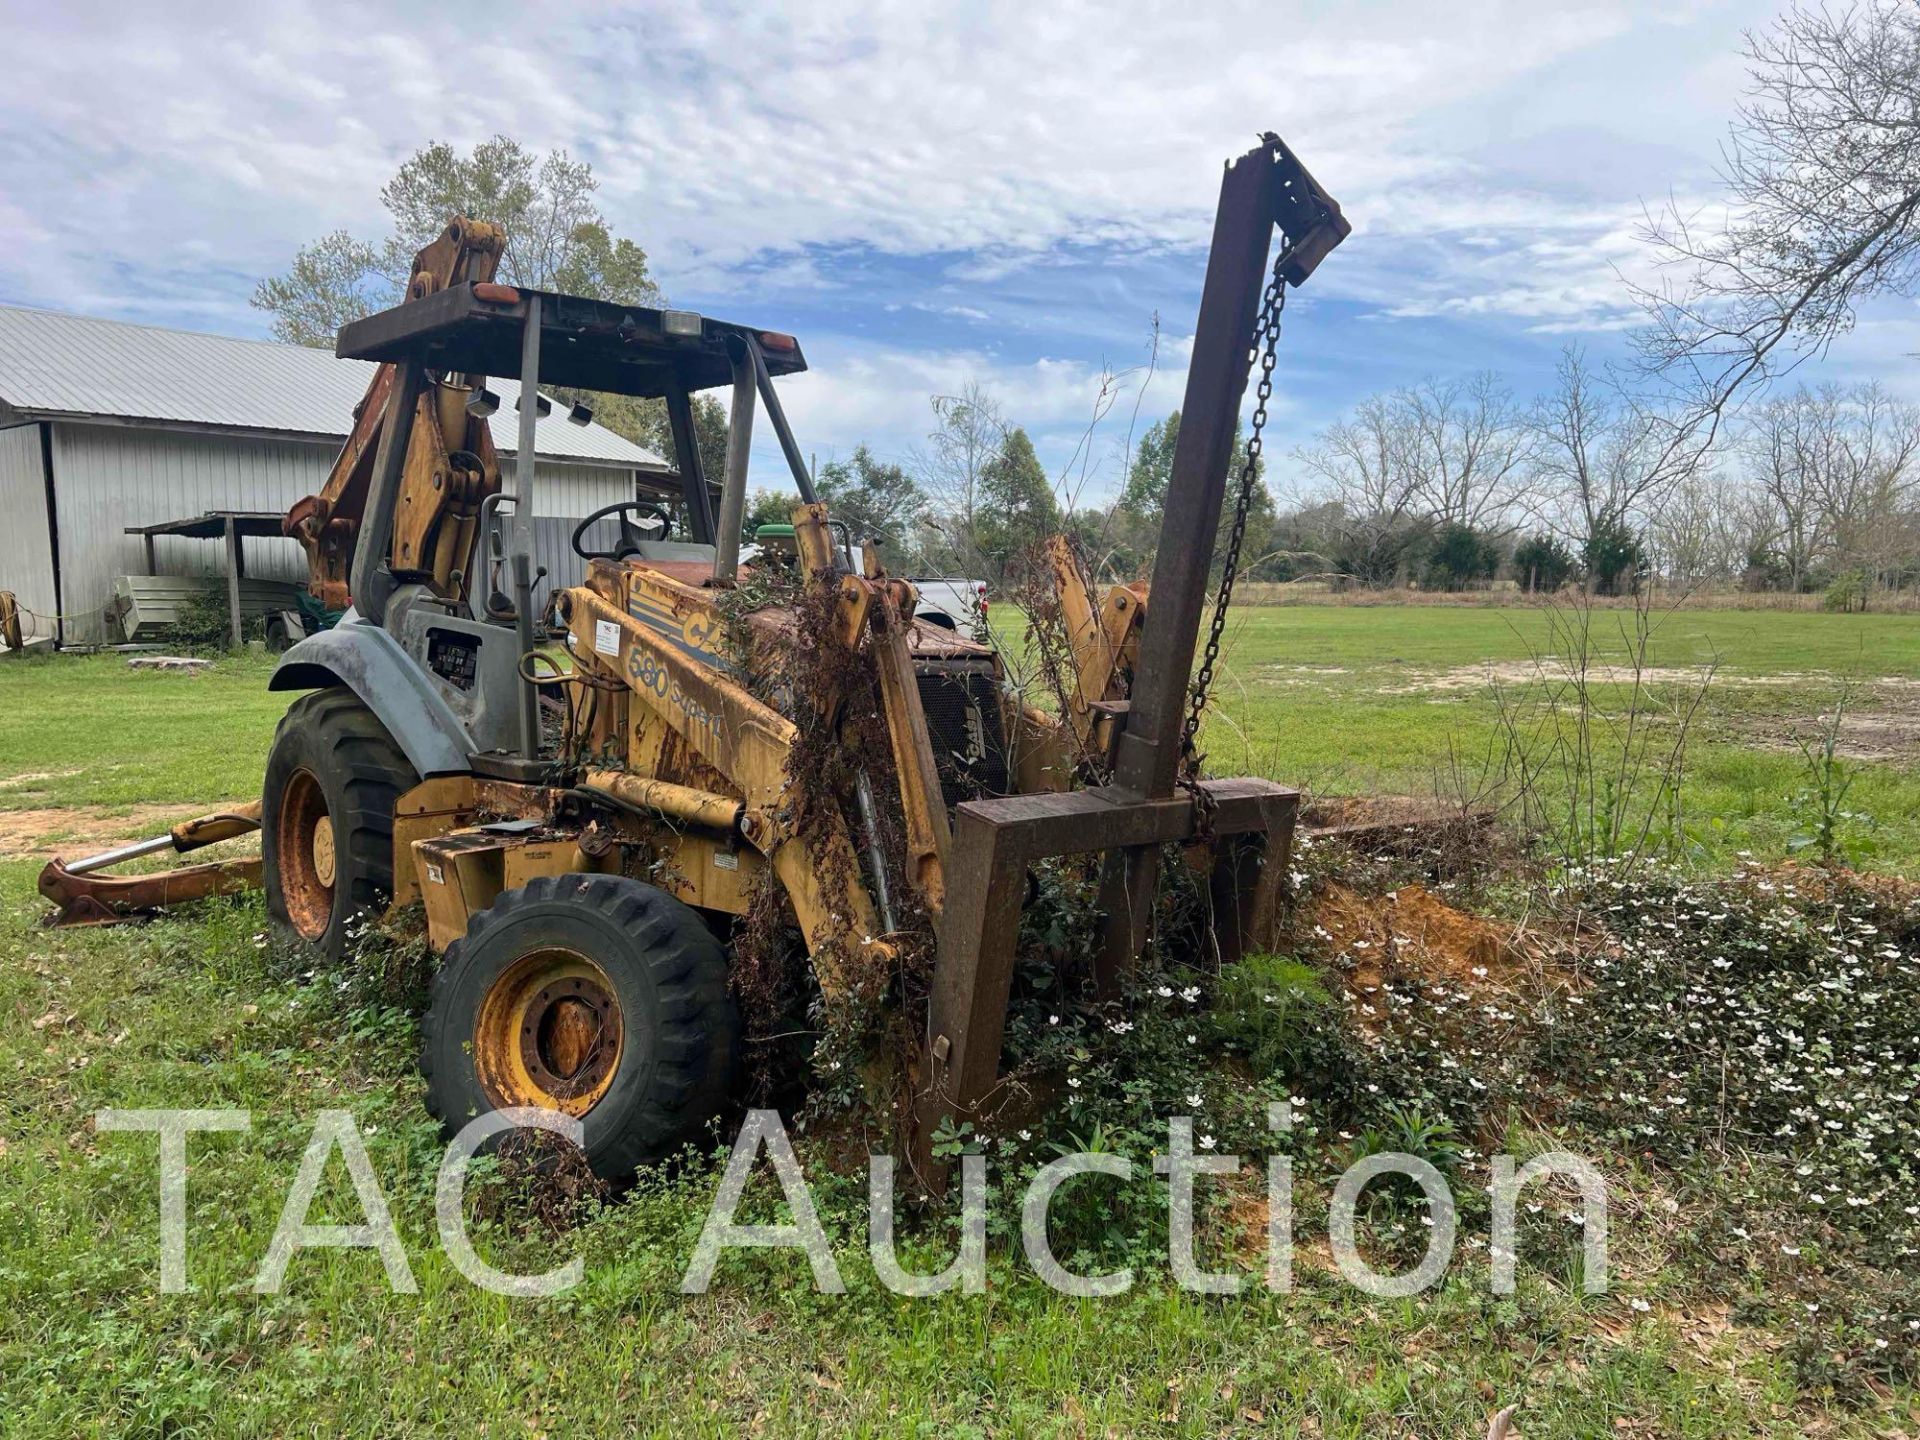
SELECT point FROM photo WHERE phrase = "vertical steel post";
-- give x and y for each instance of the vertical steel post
(733, 494)
(1147, 759)
(1149, 754)
(967, 1011)
(763, 379)
(520, 560)
(686, 454)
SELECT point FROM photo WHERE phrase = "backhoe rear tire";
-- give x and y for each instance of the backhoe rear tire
(595, 995)
(326, 821)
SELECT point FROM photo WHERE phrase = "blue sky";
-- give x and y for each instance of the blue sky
(1005, 193)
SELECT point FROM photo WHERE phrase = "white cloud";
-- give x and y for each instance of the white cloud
(1494, 157)
(727, 133)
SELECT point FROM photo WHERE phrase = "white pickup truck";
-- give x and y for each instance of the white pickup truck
(956, 603)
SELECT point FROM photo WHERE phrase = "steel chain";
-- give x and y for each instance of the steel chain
(1266, 336)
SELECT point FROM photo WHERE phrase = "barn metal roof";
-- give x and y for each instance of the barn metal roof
(75, 365)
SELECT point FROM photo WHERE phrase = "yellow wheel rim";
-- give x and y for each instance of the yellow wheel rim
(303, 839)
(323, 850)
(549, 1033)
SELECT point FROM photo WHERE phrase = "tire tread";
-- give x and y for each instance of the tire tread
(695, 1024)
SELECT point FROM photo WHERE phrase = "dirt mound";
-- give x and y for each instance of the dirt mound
(1336, 814)
(1448, 840)
(1412, 933)
(1815, 882)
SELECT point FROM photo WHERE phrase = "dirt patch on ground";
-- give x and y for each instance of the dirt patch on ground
(1302, 674)
(1880, 736)
(80, 830)
(26, 778)
(1412, 932)
(1526, 672)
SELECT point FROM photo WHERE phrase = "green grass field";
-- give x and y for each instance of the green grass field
(1339, 699)
(1355, 700)
(198, 1011)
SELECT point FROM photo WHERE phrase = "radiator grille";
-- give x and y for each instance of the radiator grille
(963, 722)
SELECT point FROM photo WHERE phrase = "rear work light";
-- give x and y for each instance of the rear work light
(682, 322)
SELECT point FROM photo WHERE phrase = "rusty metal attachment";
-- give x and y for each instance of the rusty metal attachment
(995, 841)
(1131, 818)
(84, 896)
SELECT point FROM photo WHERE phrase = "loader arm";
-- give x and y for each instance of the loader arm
(449, 469)
(748, 742)
(1103, 638)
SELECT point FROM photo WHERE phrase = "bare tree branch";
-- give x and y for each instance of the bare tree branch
(1822, 172)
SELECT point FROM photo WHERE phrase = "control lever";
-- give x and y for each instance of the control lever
(499, 606)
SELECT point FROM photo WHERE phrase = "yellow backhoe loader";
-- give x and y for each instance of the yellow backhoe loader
(584, 867)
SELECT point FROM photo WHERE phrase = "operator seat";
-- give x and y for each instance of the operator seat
(672, 550)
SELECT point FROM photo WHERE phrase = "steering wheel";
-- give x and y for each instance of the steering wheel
(630, 536)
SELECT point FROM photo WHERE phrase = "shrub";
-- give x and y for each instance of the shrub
(1847, 593)
(1766, 569)
(1615, 558)
(1407, 1130)
(1461, 557)
(1592, 754)
(1828, 833)
(1269, 1010)
(203, 622)
(1543, 565)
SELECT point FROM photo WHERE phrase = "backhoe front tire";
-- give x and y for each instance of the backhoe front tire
(595, 995)
(326, 821)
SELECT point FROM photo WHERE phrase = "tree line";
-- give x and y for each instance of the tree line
(976, 500)
(1453, 483)
(1700, 460)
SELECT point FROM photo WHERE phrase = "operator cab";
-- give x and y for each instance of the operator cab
(474, 329)
(586, 344)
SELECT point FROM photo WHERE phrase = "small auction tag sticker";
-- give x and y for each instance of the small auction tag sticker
(606, 637)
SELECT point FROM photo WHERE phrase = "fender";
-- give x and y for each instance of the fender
(368, 661)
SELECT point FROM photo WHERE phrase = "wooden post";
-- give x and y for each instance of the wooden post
(233, 577)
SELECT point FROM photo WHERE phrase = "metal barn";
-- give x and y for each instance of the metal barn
(105, 425)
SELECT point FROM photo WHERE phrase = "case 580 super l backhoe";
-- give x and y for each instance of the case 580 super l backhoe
(413, 766)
